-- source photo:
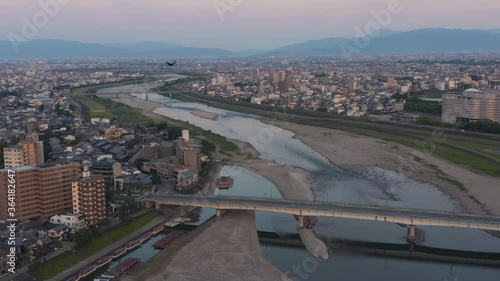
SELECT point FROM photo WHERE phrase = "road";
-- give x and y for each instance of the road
(78, 107)
(307, 208)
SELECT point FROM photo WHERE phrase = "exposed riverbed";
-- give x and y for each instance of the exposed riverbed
(378, 186)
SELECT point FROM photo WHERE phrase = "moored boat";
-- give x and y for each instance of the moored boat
(146, 236)
(134, 243)
(225, 182)
(118, 252)
(157, 229)
(103, 261)
(162, 243)
(87, 271)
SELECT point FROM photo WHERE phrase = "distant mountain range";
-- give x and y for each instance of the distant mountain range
(385, 42)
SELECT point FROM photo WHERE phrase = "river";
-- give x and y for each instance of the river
(378, 187)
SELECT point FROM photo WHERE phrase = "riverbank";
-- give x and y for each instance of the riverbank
(361, 154)
(292, 183)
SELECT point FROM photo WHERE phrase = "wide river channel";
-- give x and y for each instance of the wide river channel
(375, 187)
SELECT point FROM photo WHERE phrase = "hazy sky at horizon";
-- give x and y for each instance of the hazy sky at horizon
(250, 24)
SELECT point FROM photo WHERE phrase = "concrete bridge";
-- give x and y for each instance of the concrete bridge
(304, 209)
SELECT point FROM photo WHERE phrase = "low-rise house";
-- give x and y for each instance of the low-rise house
(73, 221)
(45, 242)
(58, 232)
(185, 180)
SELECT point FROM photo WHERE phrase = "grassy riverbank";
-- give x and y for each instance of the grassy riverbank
(65, 261)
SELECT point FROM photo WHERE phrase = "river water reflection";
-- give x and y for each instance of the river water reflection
(380, 187)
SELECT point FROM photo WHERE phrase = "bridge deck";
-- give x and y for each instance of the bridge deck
(330, 209)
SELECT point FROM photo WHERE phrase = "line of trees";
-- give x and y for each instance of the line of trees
(482, 126)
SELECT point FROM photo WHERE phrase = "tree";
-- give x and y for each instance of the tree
(123, 213)
(109, 195)
(162, 126)
(207, 147)
(174, 132)
(118, 186)
(83, 237)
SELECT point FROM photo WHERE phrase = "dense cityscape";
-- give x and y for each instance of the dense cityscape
(288, 141)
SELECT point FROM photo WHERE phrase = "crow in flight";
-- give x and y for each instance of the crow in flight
(172, 64)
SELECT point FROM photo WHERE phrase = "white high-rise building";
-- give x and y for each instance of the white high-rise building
(185, 135)
(471, 105)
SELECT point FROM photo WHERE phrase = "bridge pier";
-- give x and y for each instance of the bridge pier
(303, 222)
(412, 234)
(220, 212)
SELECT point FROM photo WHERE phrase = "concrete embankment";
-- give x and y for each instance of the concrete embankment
(227, 250)
(313, 244)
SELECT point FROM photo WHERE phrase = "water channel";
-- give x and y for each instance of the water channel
(378, 187)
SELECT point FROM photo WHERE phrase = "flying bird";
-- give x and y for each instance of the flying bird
(172, 63)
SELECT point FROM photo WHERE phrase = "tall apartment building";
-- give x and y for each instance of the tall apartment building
(13, 156)
(287, 81)
(29, 152)
(41, 192)
(33, 150)
(89, 197)
(191, 159)
(471, 105)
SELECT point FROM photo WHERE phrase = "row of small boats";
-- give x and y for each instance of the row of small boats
(116, 254)
(162, 243)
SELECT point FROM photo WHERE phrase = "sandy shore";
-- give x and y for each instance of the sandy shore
(205, 115)
(356, 153)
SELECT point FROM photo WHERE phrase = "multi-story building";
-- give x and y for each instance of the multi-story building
(41, 192)
(33, 150)
(391, 81)
(13, 156)
(471, 105)
(398, 106)
(28, 153)
(89, 197)
(191, 159)
(108, 169)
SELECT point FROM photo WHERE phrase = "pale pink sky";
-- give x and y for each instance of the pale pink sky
(262, 24)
